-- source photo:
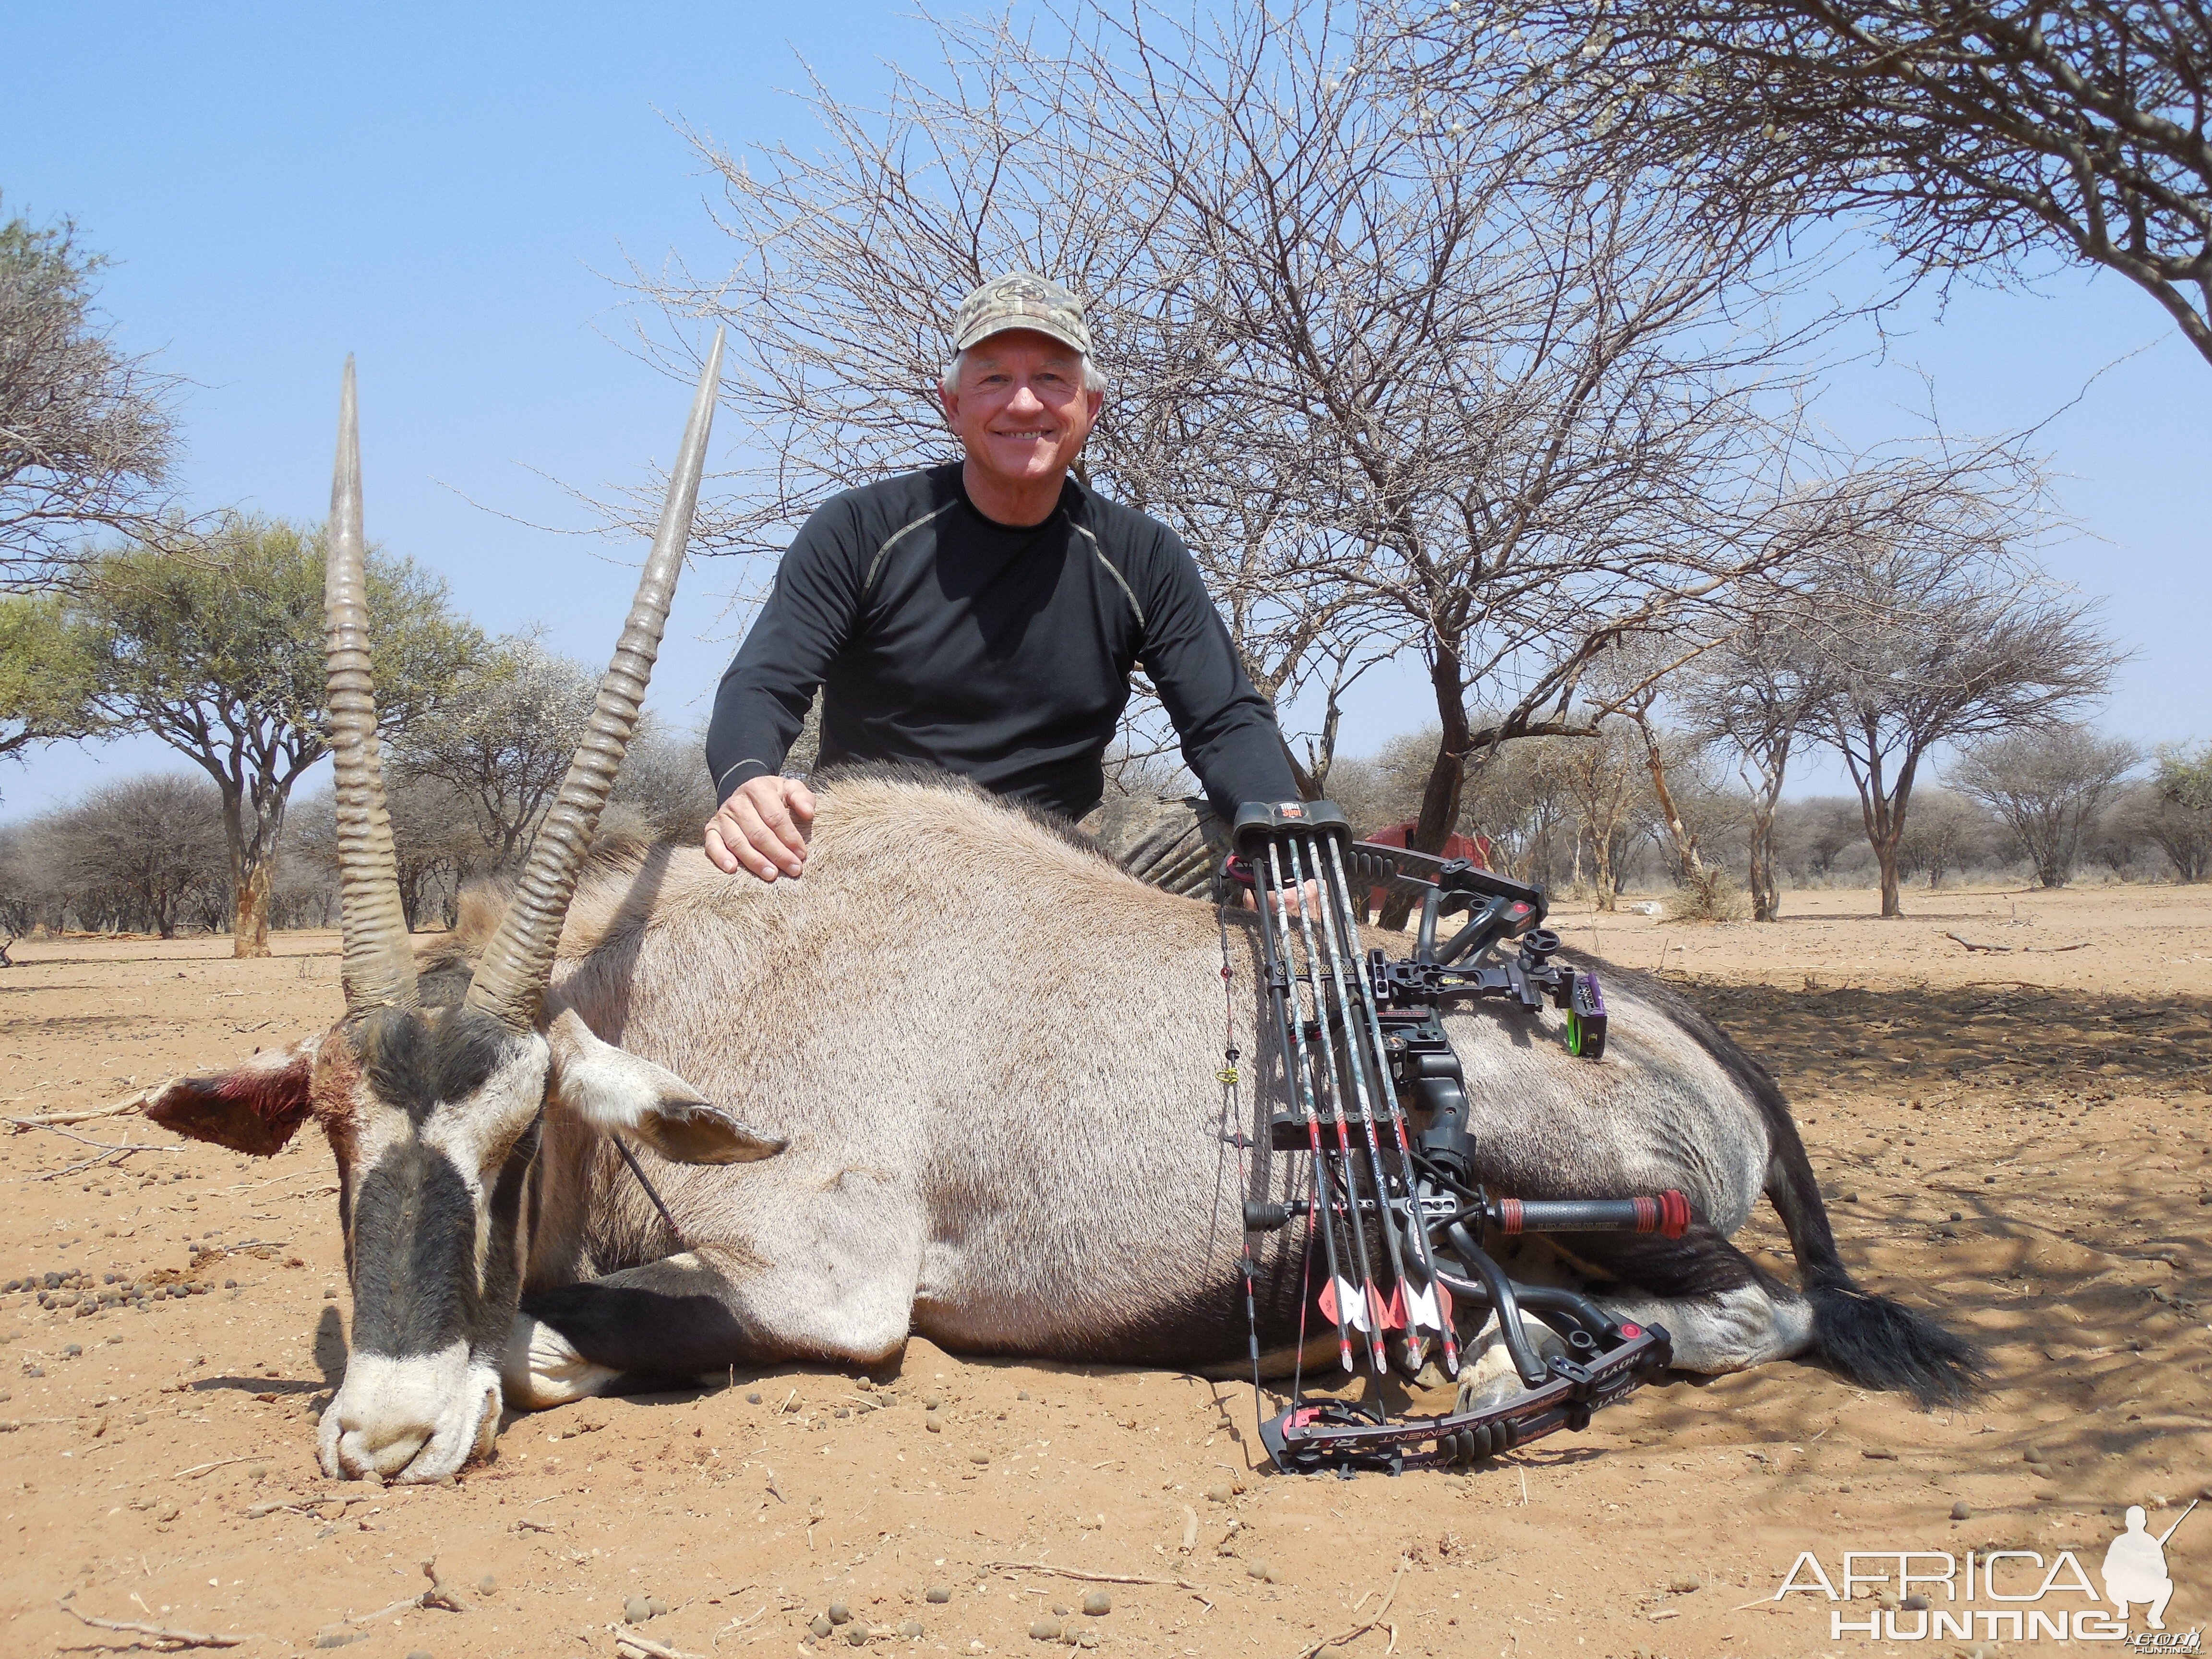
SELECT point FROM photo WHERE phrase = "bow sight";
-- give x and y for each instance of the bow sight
(1397, 1211)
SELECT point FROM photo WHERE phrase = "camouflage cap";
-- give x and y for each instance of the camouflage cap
(1021, 300)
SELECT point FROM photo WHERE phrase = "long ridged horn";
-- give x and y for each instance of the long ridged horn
(511, 977)
(379, 968)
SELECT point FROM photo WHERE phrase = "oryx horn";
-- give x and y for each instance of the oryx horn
(511, 977)
(378, 967)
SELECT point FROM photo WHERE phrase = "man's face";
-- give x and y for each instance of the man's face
(1020, 407)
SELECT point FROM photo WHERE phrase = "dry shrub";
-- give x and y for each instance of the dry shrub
(1707, 895)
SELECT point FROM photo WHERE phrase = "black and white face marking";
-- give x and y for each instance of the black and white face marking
(444, 1112)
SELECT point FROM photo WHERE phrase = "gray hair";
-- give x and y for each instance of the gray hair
(1093, 379)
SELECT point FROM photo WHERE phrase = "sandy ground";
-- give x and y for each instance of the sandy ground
(2016, 1141)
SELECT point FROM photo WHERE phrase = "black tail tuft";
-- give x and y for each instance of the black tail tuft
(1871, 1339)
(1884, 1345)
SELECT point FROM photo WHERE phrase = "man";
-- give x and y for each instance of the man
(983, 617)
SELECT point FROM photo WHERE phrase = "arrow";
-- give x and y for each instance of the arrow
(1429, 1312)
(1345, 1306)
(1330, 1082)
(1289, 1031)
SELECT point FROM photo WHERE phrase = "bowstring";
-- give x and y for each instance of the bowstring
(1231, 1079)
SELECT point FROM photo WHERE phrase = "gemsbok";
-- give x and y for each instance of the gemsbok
(960, 1079)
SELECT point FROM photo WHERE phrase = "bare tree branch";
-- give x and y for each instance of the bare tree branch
(1984, 136)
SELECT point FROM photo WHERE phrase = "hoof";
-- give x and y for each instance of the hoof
(541, 1368)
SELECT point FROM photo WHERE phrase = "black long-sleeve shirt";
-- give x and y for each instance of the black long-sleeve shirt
(1002, 653)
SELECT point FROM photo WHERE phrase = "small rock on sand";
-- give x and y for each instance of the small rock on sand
(937, 1594)
(636, 1610)
(1097, 1604)
(1045, 1630)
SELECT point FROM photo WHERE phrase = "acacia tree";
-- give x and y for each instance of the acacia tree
(2185, 779)
(1982, 135)
(2049, 787)
(663, 782)
(1946, 830)
(217, 650)
(503, 743)
(156, 841)
(2178, 814)
(1648, 677)
(1757, 693)
(44, 671)
(1943, 635)
(86, 432)
(1605, 779)
(1577, 458)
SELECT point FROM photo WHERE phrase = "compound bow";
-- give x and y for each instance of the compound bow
(1364, 1045)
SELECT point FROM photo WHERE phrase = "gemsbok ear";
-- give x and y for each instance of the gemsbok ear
(252, 1108)
(612, 1089)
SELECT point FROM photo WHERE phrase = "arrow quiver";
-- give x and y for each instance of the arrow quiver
(1377, 1101)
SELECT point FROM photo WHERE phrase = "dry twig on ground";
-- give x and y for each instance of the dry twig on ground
(1374, 1622)
(1091, 1577)
(83, 1115)
(628, 1645)
(165, 1639)
(438, 1595)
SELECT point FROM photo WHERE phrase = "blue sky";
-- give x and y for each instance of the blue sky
(449, 192)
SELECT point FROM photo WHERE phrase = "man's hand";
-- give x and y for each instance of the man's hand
(763, 829)
(1303, 900)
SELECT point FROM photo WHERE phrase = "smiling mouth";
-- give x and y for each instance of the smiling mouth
(1027, 433)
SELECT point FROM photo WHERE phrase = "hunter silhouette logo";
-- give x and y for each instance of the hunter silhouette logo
(1935, 1594)
(2135, 1567)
